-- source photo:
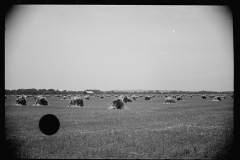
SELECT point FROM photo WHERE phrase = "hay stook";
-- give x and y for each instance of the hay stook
(169, 100)
(117, 104)
(148, 98)
(179, 98)
(41, 101)
(126, 99)
(22, 100)
(204, 97)
(87, 97)
(216, 98)
(76, 102)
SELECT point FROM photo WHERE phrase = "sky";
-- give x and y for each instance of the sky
(144, 47)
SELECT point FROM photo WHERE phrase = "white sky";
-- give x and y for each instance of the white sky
(78, 47)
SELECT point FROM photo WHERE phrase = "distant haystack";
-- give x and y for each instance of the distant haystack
(217, 98)
(148, 98)
(121, 96)
(65, 98)
(179, 98)
(204, 97)
(116, 104)
(211, 96)
(41, 101)
(169, 100)
(21, 100)
(76, 101)
(126, 99)
(87, 97)
(134, 97)
(223, 97)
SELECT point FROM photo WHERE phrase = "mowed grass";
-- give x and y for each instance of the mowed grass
(191, 129)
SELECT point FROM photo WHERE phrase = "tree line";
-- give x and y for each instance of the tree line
(34, 91)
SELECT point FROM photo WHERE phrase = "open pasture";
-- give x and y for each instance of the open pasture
(195, 128)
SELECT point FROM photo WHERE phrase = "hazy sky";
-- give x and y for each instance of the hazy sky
(78, 47)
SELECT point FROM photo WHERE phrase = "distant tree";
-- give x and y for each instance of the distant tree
(64, 92)
(50, 91)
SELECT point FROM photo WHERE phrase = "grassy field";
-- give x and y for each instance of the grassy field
(190, 129)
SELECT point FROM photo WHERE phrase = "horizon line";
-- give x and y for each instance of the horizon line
(129, 90)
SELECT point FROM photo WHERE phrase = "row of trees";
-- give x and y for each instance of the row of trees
(56, 92)
(198, 92)
(34, 91)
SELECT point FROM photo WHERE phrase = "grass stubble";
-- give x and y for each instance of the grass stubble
(190, 129)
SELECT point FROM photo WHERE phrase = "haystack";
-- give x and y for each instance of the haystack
(179, 98)
(148, 97)
(169, 100)
(134, 97)
(41, 101)
(126, 99)
(204, 97)
(121, 96)
(76, 101)
(87, 97)
(117, 104)
(21, 100)
(65, 98)
(223, 97)
(216, 98)
(211, 96)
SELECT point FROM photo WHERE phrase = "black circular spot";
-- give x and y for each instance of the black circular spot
(49, 124)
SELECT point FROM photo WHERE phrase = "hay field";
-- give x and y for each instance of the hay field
(191, 129)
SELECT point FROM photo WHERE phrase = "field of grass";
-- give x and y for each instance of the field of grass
(191, 129)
